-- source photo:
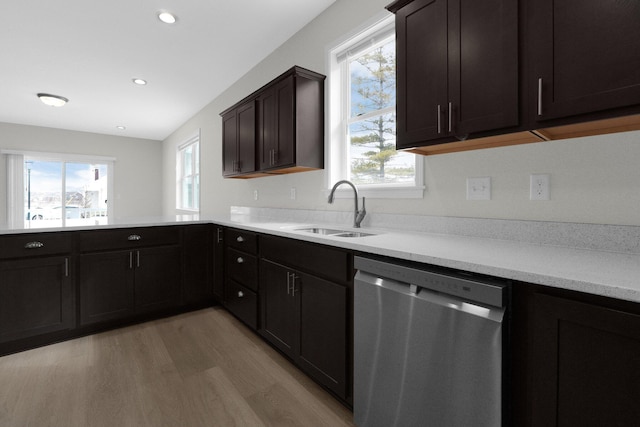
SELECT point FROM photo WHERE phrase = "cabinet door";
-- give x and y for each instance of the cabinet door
(106, 286)
(267, 128)
(585, 57)
(286, 116)
(586, 364)
(218, 263)
(247, 138)
(197, 264)
(36, 297)
(279, 307)
(422, 82)
(483, 65)
(276, 125)
(323, 331)
(229, 143)
(157, 278)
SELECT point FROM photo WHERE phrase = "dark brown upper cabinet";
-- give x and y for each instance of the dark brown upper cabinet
(238, 140)
(457, 69)
(585, 57)
(503, 72)
(286, 130)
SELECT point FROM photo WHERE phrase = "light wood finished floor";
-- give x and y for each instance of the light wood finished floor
(197, 369)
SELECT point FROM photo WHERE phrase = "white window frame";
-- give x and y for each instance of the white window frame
(373, 32)
(180, 174)
(15, 180)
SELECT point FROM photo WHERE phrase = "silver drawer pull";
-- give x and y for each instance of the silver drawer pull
(240, 294)
(34, 245)
(134, 237)
(240, 260)
(240, 239)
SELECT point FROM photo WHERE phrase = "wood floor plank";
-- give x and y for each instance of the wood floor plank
(198, 369)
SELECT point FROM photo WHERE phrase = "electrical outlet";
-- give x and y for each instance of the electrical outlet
(255, 194)
(479, 188)
(539, 187)
(293, 193)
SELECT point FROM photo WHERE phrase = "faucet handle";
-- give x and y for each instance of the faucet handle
(360, 214)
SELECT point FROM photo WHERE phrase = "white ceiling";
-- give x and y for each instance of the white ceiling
(89, 51)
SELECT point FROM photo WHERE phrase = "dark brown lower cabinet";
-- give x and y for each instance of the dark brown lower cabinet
(306, 318)
(218, 263)
(198, 264)
(116, 285)
(582, 361)
(36, 297)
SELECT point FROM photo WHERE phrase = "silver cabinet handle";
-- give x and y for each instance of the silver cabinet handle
(137, 258)
(540, 96)
(34, 245)
(239, 239)
(240, 294)
(134, 238)
(293, 284)
(240, 260)
(450, 117)
(439, 120)
(66, 267)
(219, 235)
(130, 260)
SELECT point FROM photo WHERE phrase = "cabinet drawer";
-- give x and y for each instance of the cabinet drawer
(243, 268)
(324, 261)
(34, 244)
(242, 302)
(242, 240)
(125, 238)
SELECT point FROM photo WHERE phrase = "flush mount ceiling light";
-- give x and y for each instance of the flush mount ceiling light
(166, 17)
(52, 100)
(121, 127)
(140, 82)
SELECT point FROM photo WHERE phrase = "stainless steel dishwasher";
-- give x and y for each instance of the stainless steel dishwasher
(428, 347)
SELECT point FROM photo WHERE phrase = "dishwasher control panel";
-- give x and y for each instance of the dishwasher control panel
(471, 289)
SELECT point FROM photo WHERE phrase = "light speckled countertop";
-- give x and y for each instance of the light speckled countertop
(497, 251)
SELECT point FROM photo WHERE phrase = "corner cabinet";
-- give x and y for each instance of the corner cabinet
(198, 264)
(457, 69)
(305, 294)
(278, 129)
(585, 57)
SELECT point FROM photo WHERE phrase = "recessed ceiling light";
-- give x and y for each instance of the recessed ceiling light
(166, 17)
(52, 100)
(121, 127)
(140, 82)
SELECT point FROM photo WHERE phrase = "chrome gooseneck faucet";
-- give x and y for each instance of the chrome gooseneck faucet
(358, 215)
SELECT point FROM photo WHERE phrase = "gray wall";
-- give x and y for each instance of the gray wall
(594, 180)
(137, 169)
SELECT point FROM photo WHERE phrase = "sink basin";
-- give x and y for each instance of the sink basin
(353, 234)
(315, 230)
(334, 232)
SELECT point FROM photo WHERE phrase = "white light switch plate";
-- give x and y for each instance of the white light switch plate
(479, 188)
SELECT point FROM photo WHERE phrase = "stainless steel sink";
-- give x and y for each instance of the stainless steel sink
(353, 234)
(317, 230)
(334, 232)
